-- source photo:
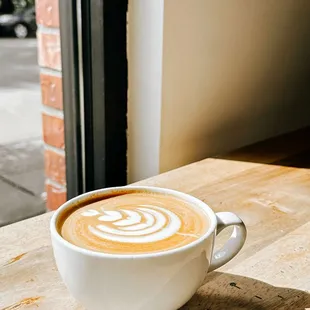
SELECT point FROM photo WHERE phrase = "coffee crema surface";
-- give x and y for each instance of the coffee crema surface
(134, 223)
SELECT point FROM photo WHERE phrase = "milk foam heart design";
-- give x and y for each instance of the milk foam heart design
(145, 223)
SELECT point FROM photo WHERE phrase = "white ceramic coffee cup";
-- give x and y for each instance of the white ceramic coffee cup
(157, 281)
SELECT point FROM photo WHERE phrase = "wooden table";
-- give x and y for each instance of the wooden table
(268, 185)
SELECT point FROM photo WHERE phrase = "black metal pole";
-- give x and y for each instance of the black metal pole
(105, 92)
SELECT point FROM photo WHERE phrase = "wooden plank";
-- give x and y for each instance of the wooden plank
(33, 281)
(272, 271)
(24, 236)
(247, 286)
(289, 257)
(269, 198)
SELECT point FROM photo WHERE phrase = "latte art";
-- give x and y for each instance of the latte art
(146, 223)
(134, 223)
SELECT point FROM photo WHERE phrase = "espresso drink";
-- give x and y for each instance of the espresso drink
(134, 223)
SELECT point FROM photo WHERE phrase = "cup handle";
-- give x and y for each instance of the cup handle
(234, 243)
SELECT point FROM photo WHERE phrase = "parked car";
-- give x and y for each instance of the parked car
(21, 24)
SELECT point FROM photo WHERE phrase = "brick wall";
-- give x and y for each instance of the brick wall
(49, 58)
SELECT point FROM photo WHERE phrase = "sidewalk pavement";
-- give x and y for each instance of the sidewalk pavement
(21, 146)
(21, 180)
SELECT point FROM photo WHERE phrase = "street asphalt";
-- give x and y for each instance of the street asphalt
(21, 146)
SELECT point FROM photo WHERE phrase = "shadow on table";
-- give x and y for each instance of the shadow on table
(225, 291)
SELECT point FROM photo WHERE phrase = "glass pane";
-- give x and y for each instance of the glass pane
(21, 146)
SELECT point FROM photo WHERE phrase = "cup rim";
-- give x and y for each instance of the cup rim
(197, 202)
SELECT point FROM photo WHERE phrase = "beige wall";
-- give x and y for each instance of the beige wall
(232, 73)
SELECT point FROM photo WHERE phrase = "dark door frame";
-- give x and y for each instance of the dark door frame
(94, 64)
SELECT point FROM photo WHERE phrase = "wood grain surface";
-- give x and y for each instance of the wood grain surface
(267, 185)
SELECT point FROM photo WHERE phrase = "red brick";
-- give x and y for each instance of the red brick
(51, 89)
(55, 166)
(49, 50)
(53, 131)
(56, 196)
(47, 12)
